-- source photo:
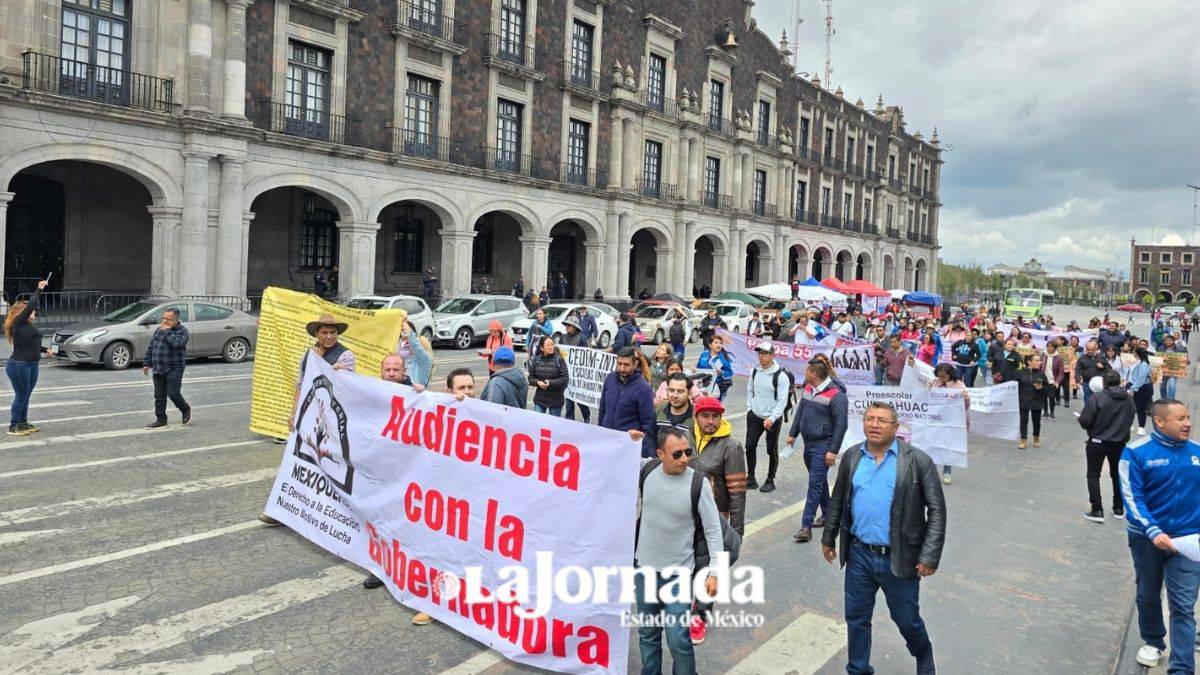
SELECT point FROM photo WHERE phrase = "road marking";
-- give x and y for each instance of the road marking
(126, 458)
(804, 646)
(41, 512)
(135, 412)
(58, 404)
(71, 438)
(484, 660)
(126, 553)
(17, 537)
(132, 383)
(45, 651)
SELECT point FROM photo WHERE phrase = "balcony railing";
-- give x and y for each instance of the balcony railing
(423, 22)
(806, 217)
(872, 175)
(765, 210)
(926, 239)
(854, 169)
(580, 76)
(720, 125)
(892, 232)
(659, 104)
(831, 221)
(851, 225)
(911, 236)
(766, 140)
(807, 153)
(896, 183)
(411, 143)
(43, 72)
(507, 161)
(870, 228)
(282, 118)
(656, 189)
(832, 162)
(506, 50)
(914, 190)
(576, 175)
(929, 195)
(715, 201)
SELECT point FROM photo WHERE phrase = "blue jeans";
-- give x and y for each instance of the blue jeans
(1182, 576)
(966, 374)
(24, 376)
(1087, 392)
(679, 641)
(985, 372)
(818, 487)
(679, 349)
(1167, 387)
(866, 573)
(557, 412)
(585, 412)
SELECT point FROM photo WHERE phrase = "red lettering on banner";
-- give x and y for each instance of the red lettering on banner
(438, 512)
(507, 623)
(417, 580)
(510, 542)
(522, 444)
(484, 613)
(558, 641)
(593, 651)
(533, 638)
(566, 469)
(466, 446)
(392, 428)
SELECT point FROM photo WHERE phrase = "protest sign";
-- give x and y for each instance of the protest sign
(425, 492)
(994, 411)
(1040, 337)
(934, 420)
(917, 375)
(283, 340)
(854, 363)
(587, 369)
(1175, 364)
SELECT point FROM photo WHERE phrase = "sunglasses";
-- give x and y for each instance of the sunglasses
(680, 453)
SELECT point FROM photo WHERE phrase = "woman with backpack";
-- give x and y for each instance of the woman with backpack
(720, 362)
(548, 375)
(538, 329)
(677, 332)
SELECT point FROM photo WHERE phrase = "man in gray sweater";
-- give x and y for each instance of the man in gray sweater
(668, 546)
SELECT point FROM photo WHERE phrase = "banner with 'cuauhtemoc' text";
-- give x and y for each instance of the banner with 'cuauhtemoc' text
(421, 489)
(283, 340)
(933, 420)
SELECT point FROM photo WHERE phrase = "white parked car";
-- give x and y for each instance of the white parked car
(650, 319)
(418, 312)
(464, 320)
(700, 310)
(736, 315)
(556, 312)
(1173, 311)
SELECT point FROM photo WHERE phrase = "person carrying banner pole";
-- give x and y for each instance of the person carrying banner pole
(821, 422)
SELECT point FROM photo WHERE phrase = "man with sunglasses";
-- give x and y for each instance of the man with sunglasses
(666, 539)
(722, 459)
(677, 410)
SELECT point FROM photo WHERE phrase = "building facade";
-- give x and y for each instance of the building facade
(1083, 285)
(215, 147)
(1163, 273)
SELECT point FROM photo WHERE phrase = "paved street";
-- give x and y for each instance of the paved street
(138, 550)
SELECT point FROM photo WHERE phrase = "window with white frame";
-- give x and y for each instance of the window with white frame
(764, 122)
(512, 30)
(804, 125)
(868, 214)
(712, 181)
(1186, 277)
(826, 200)
(1143, 275)
(716, 104)
(308, 74)
(578, 139)
(892, 167)
(421, 115)
(1164, 277)
(801, 195)
(1185, 258)
(760, 191)
(848, 207)
(1164, 258)
(828, 149)
(656, 83)
(582, 35)
(889, 218)
(1144, 257)
(508, 135)
(652, 169)
(94, 48)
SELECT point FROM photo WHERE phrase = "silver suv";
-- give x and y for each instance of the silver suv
(464, 320)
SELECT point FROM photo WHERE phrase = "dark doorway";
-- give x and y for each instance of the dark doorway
(566, 240)
(35, 240)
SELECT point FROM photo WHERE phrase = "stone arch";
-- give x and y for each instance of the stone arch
(864, 267)
(889, 271)
(844, 265)
(163, 188)
(1142, 293)
(526, 219)
(822, 261)
(709, 255)
(591, 225)
(662, 234)
(1184, 297)
(908, 274)
(1164, 296)
(798, 261)
(921, 279)
(447, 211)
(718, 239)
(343, 199)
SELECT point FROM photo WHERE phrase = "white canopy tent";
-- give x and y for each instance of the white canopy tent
(805, 294)
(898, 293)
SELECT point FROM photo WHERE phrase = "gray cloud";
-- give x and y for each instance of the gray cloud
(1073, 123)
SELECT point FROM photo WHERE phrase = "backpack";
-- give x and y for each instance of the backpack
(791, 395)
(731, 539)
(676, 331)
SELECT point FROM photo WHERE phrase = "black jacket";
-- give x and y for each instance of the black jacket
(1006, 367)
(554, 370)
(1087, 367)
(918, 525)
(1108, 415)
(1029, 396)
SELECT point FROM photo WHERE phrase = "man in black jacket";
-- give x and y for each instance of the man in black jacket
(1106, 417)
(888, 516)
(1089, 364)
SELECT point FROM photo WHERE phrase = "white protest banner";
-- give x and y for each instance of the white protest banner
(855, 364)
(934, 420)
(994, 411)
(424, 491)
(917, 375)
(1040, 337)
(587, 370)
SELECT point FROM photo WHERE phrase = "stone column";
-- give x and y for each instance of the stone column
(695, 162)
(164, 249)
(766, 268)
(210, 248)
(5, 198)
(612, 257)
(199, 55)
(622, 248)
(594, 268)
(535, 253)
(616, 152)
(781, 257)
(193, 246)
(679, 282)
(736, 190)
(720, 272)
(662, 268)
(739, 259)
(244, 264)
(234, 104)
(783, 193)
(230, 237)
(629, 155)
(689, 258)
(681, 167)
(747, 181)
(455, 276)
(356, 257)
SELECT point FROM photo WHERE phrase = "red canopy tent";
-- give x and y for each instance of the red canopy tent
(864, 287)
(832, 283)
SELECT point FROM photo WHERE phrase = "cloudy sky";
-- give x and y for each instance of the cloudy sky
(1075, 124)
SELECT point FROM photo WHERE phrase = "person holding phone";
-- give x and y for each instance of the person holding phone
(22, 367)
(167, 356)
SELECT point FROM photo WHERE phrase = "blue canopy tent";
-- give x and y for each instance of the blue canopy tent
(811, 281)
(923, 298)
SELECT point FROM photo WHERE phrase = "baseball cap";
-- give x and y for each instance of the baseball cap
(504, 356)
(708, 404)
(765, 347)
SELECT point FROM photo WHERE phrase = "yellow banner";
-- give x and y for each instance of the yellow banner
(283, 340)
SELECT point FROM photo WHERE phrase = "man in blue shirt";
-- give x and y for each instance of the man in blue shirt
(888, 515)
(1160, 485)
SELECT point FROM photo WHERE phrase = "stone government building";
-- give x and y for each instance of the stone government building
(220, 146)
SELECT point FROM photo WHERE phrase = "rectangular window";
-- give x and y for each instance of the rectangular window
(1186, 277)
(578, 140)
(892, 167)
(652, 169)
(581, 54)
(1164, 258)
(912, 173)
(760, 192)
(764, 122)
(1144, 256)
(307, 106)
(924, 223)
(1143, 276)
(912, 222)
(804, 122)
(889, 219)
(512, 31)
(94, 49)
(407, 243)
(828, 150)
(925, 178)
(868, 212)
(421, 116)
(1164, 277)
(318, 237)
(424, 15)
(870, 158)
(716, 103)
(656, 83)
(826, 200)
(801, 195)
(712, 181)
(508, 135)
(850, 149)
(1185, 258)
(848, 206)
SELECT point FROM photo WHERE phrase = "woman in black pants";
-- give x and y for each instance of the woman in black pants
(1141, 387)
(22, 365)
(1032, 388)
